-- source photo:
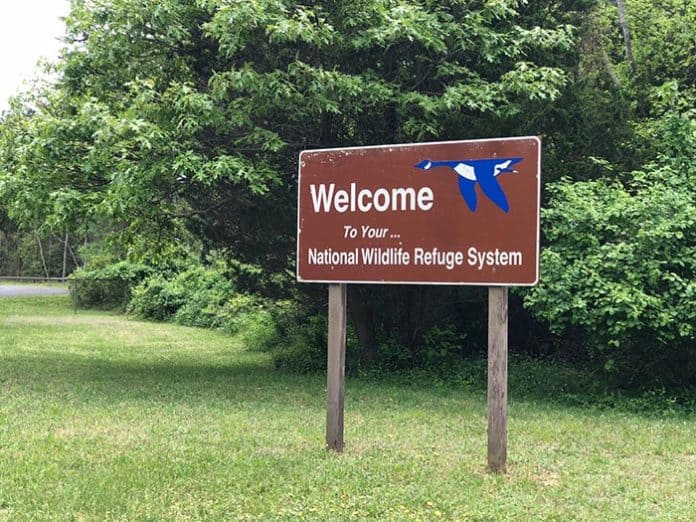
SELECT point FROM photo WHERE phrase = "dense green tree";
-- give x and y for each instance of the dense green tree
(196, 110)
(179, 115)
(174, 127)
(618, 272)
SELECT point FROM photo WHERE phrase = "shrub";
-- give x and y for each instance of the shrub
(301, 346)
(193, 297)
(108, 286)
(620, 268)
(251, 318)
(205, 291)
(304, 348)
(156, 298)
(205, 297)
(442, 347)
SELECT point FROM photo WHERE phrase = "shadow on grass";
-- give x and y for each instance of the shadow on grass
(104, 380)
(553, 384)
(256, 382)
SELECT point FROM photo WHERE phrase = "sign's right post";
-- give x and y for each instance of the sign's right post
(497, 377)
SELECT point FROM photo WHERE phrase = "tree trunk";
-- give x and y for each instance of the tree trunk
(623, 21)
(364, 322)
(411, 323)
(609, 67)
(65, 255)
(19, 260)
(43, 259)
(76, 263)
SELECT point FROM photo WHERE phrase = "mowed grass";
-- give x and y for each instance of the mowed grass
(106, 418)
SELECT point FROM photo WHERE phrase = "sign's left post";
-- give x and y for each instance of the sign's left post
(336, 366)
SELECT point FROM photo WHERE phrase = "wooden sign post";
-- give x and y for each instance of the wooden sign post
(446, 213)
(497, 377)
(336, 367)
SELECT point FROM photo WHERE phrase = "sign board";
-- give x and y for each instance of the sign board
(459, 212)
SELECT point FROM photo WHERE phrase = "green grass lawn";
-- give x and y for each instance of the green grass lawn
(106, 418)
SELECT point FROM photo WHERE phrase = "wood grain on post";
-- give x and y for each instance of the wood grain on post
(497, 377)
(336, 364)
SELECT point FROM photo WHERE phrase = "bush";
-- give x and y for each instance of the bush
(205, 291)
(302, 336)
(108, 286)
(156, 298)
(301, 345)
(251, 318)
(303, 349)
(442, 347)
(620, 268)
(205, 297)
(194, 297)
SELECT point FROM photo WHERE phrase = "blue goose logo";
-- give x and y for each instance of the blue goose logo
(481, 171)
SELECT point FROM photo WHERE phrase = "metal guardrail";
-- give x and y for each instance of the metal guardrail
(37, 279)
(72, 282)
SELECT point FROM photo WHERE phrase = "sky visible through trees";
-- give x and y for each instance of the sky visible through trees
(29, 31)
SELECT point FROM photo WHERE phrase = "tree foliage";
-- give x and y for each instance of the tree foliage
(620, 264)
(174, 128)
(621, 268)
(172, 115)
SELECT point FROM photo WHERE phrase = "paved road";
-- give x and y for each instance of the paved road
(21, 290)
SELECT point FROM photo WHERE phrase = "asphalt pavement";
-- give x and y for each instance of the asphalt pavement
(27, 290)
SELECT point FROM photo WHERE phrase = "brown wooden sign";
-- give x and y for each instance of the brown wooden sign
(460, 212)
